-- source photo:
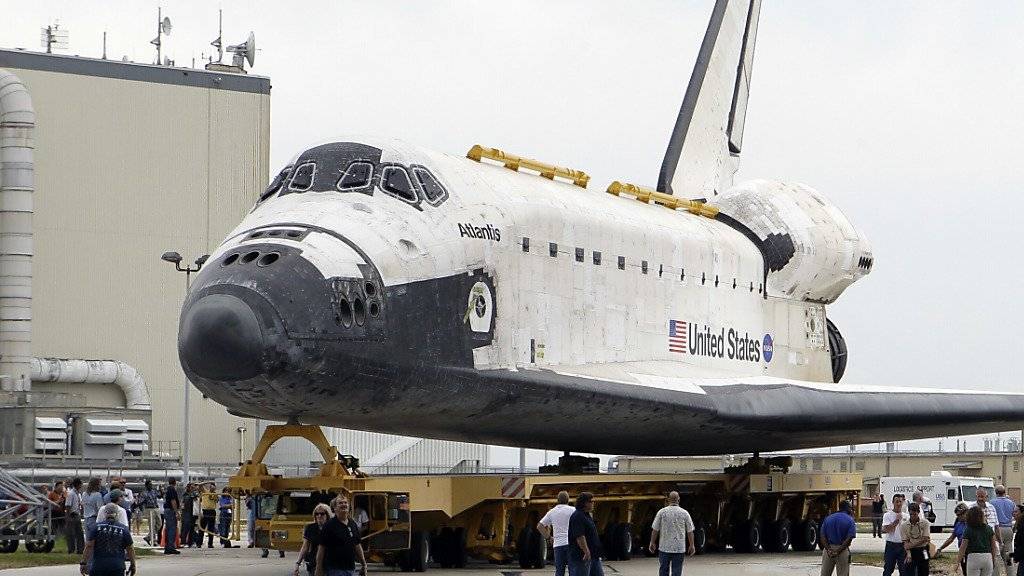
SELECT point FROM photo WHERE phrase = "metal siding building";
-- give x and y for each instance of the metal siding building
(132, 161)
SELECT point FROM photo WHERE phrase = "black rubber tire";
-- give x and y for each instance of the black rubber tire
(700, 537)
(778, 536)
(538, 549)
(39, 546)
(416, 558)
(748, 536)
(622, 541)
(523, 552)
(442, 547)
(645, 540)
(607, 537)
(805, 536)
(459, 555)
(8, 546)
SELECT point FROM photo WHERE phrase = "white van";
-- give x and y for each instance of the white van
(942, 489)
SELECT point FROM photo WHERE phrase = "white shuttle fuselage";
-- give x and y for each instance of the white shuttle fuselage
(379, 286)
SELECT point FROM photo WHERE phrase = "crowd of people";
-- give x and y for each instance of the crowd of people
(989, 536)
(98, 520)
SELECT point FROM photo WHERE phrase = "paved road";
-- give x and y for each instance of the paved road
(247, 562)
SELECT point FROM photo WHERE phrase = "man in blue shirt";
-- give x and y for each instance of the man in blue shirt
(837, 533)
(108, 543)
(1004, 512)
(584, 542)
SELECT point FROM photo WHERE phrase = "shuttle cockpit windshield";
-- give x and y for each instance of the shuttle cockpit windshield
(350, 167)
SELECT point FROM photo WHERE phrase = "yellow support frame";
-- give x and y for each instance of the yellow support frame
(512, 162)
(253, 476)
(646, 195)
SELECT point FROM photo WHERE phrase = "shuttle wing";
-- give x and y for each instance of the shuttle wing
(703, 152)
(660, 415)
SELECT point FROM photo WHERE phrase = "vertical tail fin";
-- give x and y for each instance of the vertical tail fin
(703, 152)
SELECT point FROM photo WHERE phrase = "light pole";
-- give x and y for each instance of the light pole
(175, 258)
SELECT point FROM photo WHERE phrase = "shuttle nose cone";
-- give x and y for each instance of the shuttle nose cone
(220, 338)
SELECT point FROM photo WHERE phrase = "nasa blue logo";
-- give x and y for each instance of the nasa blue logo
(767, 348)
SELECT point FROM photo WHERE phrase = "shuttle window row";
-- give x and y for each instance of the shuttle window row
(411, 184)
(580, 254)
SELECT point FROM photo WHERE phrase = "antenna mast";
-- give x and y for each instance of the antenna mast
(163, 28)
(219, 42)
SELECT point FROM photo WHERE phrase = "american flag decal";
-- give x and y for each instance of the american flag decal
(677, 336)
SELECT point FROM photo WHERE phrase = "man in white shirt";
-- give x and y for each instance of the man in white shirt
(672, 537)
(895, 554)
(555, 526)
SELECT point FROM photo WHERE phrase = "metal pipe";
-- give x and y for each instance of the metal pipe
(122, 374)
(17, 183)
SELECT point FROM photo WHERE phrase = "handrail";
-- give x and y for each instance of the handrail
(513, 162)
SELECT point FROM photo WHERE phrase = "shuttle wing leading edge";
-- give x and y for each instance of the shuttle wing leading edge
(703, 151)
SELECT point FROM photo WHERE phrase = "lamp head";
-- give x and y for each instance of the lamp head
(202, 259)
(172, 257)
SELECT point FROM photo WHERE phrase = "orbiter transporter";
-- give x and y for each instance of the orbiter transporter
(491, 298)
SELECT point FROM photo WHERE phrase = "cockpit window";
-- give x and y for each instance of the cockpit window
(303, 179)
(431, 187)
(276, 183)
(357, 176)
(395, 181)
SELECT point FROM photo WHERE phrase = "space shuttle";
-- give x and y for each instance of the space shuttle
(493, 298)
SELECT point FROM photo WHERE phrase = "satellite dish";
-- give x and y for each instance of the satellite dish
(165, 26)
(245, 51)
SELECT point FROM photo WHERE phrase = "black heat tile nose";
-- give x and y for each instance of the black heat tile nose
(221, 338)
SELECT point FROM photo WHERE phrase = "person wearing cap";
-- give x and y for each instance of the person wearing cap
(109, 542)
(115, 496)
(837, 533)
(916, 532)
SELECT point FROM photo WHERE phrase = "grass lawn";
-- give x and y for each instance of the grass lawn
(945, 563)
(24, 559)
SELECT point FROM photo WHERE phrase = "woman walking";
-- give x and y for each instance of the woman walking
(1018, 539)
(979, 545)
(958, 532)
(311, 538)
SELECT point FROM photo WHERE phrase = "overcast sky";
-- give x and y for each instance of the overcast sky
(906, 114)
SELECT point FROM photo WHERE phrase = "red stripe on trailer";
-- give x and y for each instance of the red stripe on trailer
(513, 487)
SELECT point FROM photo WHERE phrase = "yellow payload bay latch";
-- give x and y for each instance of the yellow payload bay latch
(646, 195)
(512, 162)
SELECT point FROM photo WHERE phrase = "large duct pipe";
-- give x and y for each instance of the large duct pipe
(17, 123)
(127, 378)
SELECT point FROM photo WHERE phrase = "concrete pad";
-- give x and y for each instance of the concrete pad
(247, 562)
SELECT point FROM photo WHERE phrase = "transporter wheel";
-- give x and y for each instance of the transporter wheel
(805, 536)
(622, 541)
(441, 546)
(416, 558)
(8, 546)
(531, 549)
(747, 536)
(645, 540)
(778, 536)
(458, 553)
(700, 537)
